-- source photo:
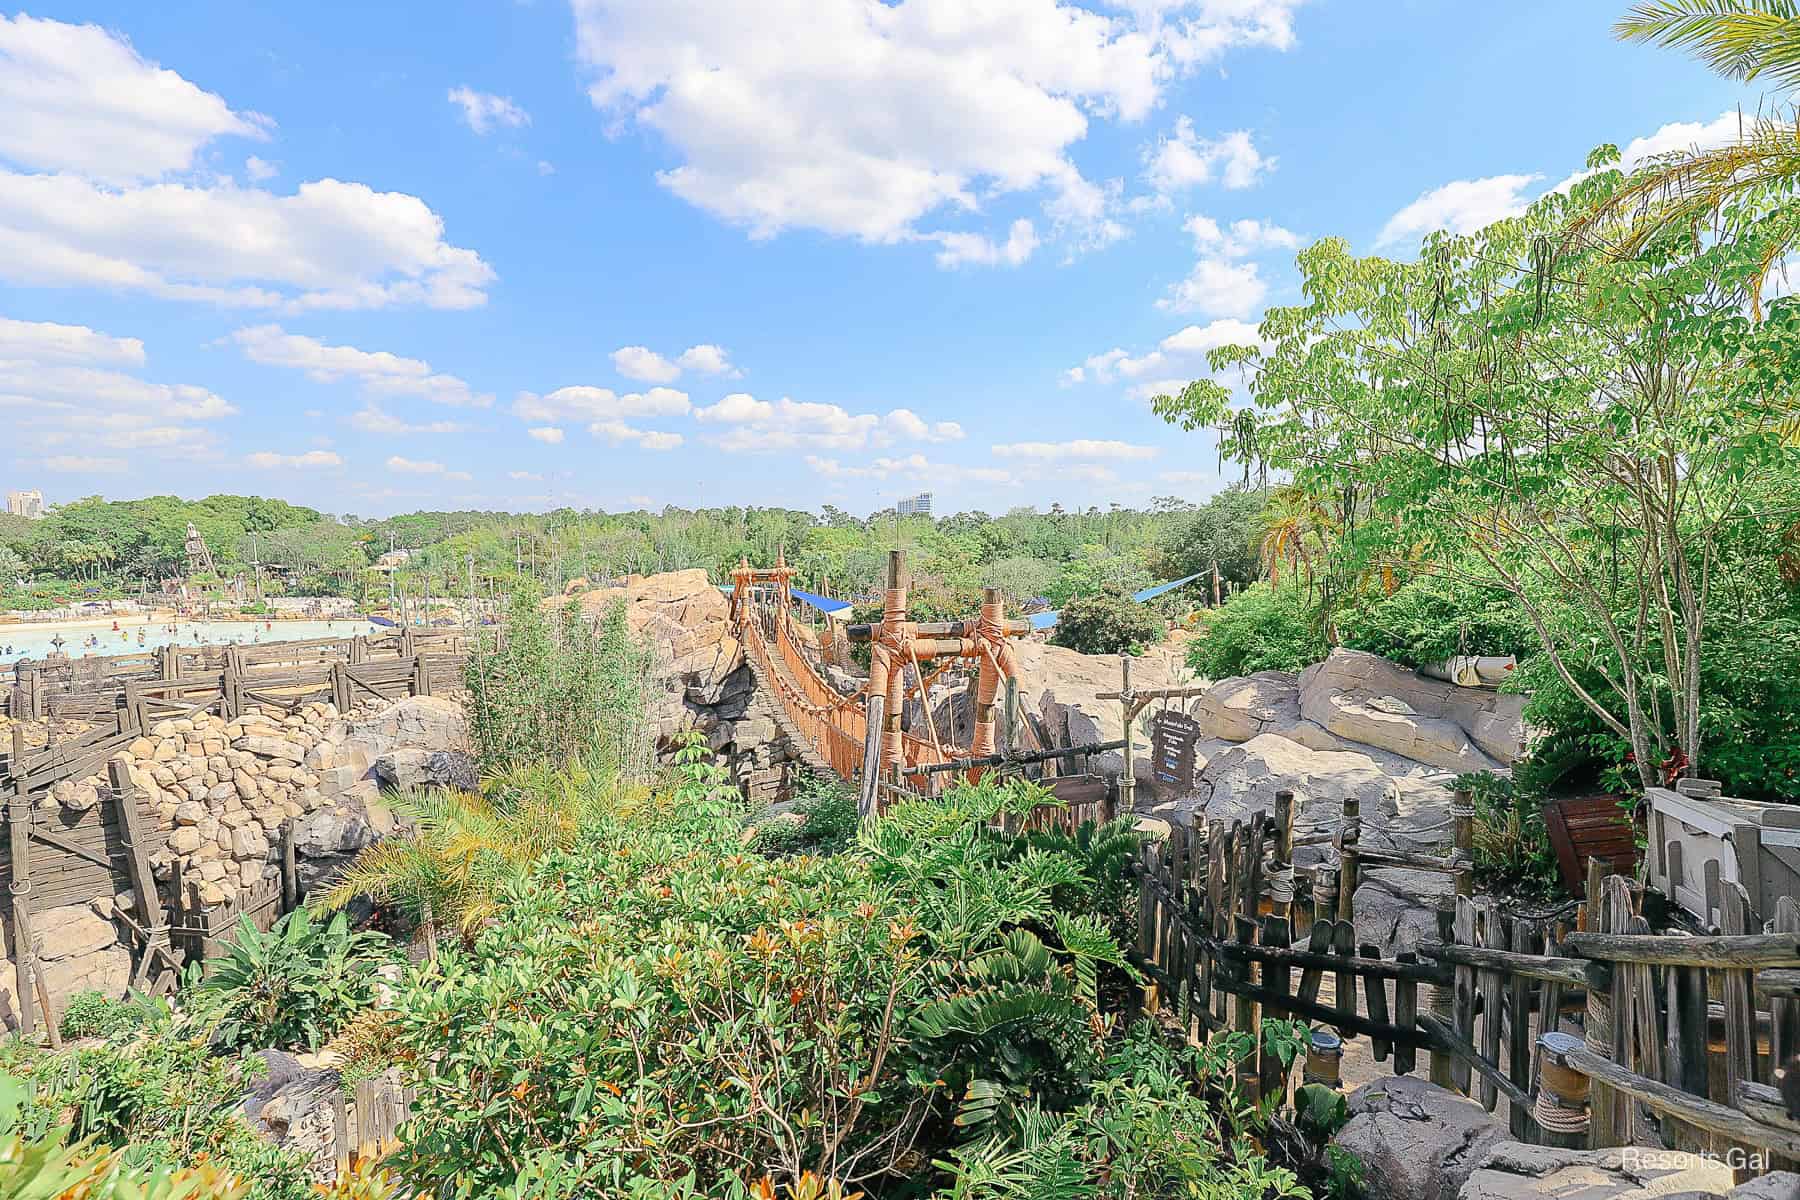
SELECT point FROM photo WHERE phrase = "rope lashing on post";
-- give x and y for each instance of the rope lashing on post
(1562, 1100)
(1281, 885)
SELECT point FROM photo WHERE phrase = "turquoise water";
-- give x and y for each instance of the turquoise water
(27, 641)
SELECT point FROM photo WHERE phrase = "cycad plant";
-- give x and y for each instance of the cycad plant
(465, 847)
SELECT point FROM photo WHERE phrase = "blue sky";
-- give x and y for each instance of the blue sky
(793, 253)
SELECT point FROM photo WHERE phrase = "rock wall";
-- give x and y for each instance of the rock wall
(222, 790)
(701, 680)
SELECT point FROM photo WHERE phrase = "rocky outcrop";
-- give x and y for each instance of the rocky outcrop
(1398, 813)
(1397, 909)
(1517, 1171)
(1248, 706)
(78, 951)
(1416, 1140)
(291, 1107)
(702, 681)
(1061, 688)
(1365, 698)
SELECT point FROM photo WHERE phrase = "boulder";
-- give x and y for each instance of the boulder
(412, 767)
(1397, 909)
(77, 795)
(1416, 1141)
(1776, 1185)
(1061, 687)
(1516, 1171)
(332, 832)
(1365, 698)
(1247, 706)
(71, 931)
(421, 722)
(292, 1107)
(1397, 813)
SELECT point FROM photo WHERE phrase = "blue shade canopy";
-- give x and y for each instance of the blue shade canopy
(823, 603)
(1045, 620)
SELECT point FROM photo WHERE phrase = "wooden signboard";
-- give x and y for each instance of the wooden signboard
(1172, 738)
(1590, 827)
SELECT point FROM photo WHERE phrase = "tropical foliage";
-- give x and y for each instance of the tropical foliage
(292, 987)
(1109, 622)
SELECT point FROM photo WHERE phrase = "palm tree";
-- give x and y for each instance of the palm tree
(1297, 533)
(1744, 40)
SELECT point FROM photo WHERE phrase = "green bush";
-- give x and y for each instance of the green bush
(1108, 622)
(1262, 628)
(823, 820)
(1511, 842)
(293, 987)
(1431, 618)
(92, 1014)
(166, 1096)
(554, 692)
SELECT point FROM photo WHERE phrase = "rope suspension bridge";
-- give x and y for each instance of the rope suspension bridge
(861, 736)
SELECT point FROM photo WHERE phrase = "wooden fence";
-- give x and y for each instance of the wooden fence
(182, 678)
(51, 855)
(1681, 1035)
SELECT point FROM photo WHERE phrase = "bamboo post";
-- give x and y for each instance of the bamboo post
(1561, 1108)
(1443, 1006)
(290, 874)
(18, 827)
(871, 767)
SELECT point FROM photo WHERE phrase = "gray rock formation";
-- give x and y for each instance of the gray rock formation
(1416, 1140)
(1516, 1171)
(1365, 698)
(1247, 706)
(1397, 909)
(1397, 813)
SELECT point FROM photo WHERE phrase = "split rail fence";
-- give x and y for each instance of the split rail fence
(1681, 1036)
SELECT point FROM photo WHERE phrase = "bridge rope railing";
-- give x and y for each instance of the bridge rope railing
(835, 725)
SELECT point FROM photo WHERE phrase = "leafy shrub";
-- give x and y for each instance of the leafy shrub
(657, 987)
(1262, 628)
(1108, 622)
(42, 1163)
(167, 1098)
(1511, 842)
(92, 1014)
(824, 820)
(293, 987)
(1432, 617)
(555, 693)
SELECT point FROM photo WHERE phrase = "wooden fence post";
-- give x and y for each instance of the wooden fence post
(1603, 1117)
(1349, 836)
(148, 904)
(1127, 709)
(1443, 1006)
(290, 875)
(18, 828)
(1561, 1110)
(1462, 857)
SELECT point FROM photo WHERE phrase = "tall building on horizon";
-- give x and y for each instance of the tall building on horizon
(915, 506)
(26, 504)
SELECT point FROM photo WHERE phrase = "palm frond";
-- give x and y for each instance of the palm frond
(1740, 39)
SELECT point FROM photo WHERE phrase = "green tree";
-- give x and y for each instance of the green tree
(1590, 431)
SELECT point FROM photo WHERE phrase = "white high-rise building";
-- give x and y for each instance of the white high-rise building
(915, 506)
(25, 504)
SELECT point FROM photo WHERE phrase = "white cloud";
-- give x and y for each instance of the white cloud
(525, 475)
(258, 170)
(1219, 285)
(484, 112)
(549, 434)
(408, 466)
(84, 464)
(619, 432)
(545, 167)
(1462, 207)
(905, 423)
(582, 403)
(708, 359)
(956, 103)
(1078, 450)
(911, 466)
(331, 244)
(784, 424)
(1722, 130)
(377, 371)
(59, 388)
(268, 460)
(97, 142)
(372, 418)
(974, 249)
(645, 365)
(1184, 160)
(1177, 360)
(45, 342)
(77, 98)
